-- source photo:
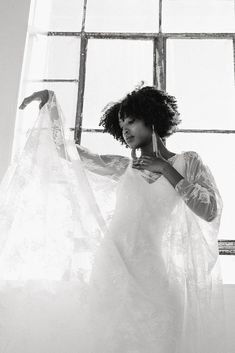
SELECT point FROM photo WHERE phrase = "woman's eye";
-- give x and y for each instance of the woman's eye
(130, 122)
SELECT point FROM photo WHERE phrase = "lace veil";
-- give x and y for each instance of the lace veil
(57, 201)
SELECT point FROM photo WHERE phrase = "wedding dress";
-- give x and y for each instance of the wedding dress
(99, 257)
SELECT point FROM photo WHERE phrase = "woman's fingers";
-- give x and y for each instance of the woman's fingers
(144, 160)
(136, 166)
(26, 101)
(145, 156)
(42, 96)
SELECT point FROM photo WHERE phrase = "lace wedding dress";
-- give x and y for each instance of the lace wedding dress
(98, 257)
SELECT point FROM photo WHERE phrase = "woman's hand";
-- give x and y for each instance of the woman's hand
(41, 96)
(153, 164)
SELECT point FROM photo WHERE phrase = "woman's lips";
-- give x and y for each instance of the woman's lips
(129, 138)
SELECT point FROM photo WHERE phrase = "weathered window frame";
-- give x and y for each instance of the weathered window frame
(226, 247)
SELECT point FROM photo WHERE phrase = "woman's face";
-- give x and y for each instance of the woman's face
(134, 132)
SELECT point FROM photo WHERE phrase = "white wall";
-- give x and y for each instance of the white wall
(229, 296)
(13, 26)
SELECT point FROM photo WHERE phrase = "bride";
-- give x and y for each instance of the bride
(105, 253)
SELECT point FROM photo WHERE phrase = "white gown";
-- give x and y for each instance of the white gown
(98, 257)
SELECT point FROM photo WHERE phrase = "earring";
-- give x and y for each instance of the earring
(133, 153)
(154, 141)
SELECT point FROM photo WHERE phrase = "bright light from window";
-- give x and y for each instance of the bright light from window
(199, 73)
(198, 16)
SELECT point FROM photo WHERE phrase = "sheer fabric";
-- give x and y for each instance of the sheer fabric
(96, 256)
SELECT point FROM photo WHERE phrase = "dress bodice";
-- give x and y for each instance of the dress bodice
(143, 207)
(145, 188)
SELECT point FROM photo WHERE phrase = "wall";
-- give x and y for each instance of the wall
(13, 26)
(229, 296)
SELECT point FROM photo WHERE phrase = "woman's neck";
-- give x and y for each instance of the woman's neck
(148, 149)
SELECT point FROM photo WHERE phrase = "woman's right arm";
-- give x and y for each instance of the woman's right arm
(106, 164)
(103, 164)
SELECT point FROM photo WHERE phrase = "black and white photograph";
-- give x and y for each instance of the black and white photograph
(117, 169)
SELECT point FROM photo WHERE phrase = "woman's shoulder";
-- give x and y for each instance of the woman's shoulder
(190, 155)
(191, 159)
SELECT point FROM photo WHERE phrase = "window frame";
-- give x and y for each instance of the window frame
(159, 39)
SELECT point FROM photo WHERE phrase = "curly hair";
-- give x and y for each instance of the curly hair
(153, 106)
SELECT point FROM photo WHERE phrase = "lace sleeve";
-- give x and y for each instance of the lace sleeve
(198, 188)
(107, 164)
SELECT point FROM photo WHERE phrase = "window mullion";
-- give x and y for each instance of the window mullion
(234, 58)
(159, 71)
(226, 247)
(81, 89)
(137, 35)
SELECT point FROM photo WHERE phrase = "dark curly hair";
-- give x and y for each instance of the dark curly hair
(153, 106)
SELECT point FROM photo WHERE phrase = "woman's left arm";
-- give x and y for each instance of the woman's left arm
(197, 188)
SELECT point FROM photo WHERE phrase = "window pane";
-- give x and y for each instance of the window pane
(215, 150)
(54, 57)
(66, 94)
(122, 16)
(104, 143)
(200, 74)
(227, 268)
(58, 15)
(114, 67)
(198, 16)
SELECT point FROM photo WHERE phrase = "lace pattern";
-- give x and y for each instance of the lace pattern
(151, 177)
(152, 283)
(108, 165)
(198, 188)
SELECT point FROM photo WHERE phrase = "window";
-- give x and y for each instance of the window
(93, 52)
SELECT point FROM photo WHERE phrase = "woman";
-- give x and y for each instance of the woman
(132, 242)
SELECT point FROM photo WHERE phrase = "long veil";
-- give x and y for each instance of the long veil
(45, 201)
(55, 217)
(50, 228)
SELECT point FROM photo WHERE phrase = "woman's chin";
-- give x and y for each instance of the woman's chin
(131, 143)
